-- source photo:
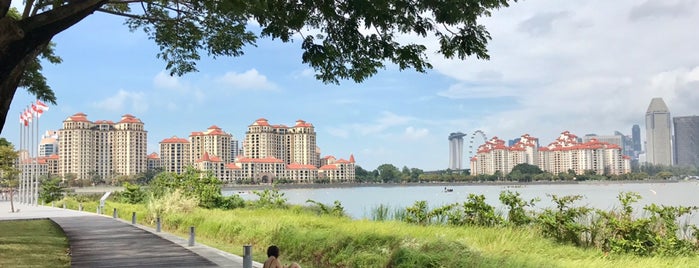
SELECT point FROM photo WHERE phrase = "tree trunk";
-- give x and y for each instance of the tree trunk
(20, 42)
(12, 199)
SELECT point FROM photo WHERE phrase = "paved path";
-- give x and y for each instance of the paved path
(101, 241)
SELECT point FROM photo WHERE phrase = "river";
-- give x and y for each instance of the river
(360, 201)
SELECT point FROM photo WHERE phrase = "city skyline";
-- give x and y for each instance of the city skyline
(586, 67)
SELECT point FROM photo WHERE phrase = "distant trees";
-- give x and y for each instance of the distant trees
(388, 173)
(9, 174)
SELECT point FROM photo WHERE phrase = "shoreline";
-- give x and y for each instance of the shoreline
(244, 187)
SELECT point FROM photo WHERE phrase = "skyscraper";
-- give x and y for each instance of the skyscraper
(658, 133)
(49, 144)
(213, 141)
(456, 150)
(175, 154)
(686, 140)
(636, 137)
(102, 148)
(295, 144)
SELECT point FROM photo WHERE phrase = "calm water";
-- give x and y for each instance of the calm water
(359, 201)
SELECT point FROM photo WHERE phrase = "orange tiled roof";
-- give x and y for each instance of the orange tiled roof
(328, 167)
(153, 156)
(127, 118)
(78, 117)
(174, 139)
(261, 122)
(301, 123)
(207, 158)
(53, 156)
(232, 166)
(269, 159)
(300, 166)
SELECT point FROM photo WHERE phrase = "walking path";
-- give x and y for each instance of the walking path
(101, 241)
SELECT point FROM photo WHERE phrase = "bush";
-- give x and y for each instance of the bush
(132, 194)
(270, 199)
(517, 215)
(564, 223)
(171, 203)
(231, 202)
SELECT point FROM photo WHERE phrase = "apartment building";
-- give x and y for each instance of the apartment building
(212, 141)
(175, 154)
(563, 154)
(102, 148)
(295, 144)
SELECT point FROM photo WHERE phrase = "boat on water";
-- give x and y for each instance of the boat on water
(448, 190)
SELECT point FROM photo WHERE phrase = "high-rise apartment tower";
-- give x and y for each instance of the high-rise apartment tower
(102, 148)
(686, 140)
(658, 133)
(295, 144)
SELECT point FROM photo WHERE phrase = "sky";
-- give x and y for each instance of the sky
(581, 66)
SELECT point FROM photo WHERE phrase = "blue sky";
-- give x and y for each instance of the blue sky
(582, 66)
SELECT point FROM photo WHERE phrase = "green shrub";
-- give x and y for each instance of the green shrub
(517, 214)
(336, 210)
(270, 199)
(132, 194)
(564, 223)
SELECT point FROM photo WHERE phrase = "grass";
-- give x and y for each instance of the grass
(32, 243)
(326, 241)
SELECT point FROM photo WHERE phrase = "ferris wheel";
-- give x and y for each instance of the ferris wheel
(476, 136)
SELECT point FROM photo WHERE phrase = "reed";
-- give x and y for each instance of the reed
(328, 241)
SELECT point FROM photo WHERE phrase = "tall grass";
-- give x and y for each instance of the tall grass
(327, 241)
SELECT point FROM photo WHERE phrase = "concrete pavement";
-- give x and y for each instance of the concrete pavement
(101, 241)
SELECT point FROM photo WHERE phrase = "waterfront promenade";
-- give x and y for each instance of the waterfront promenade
(102, 241)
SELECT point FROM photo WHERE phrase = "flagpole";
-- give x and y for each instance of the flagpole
(24, 159)
(31, 158)
(36, 177)
(21, 164)
(25, 154)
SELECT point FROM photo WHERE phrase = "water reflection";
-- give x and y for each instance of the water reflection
(359, 201)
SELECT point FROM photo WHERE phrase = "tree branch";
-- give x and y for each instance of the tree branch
(132, 16)
(4, 7)
(27, 8)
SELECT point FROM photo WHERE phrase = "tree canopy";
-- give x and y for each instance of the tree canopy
(341, 40)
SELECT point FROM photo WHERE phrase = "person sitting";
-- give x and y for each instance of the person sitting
(273, 259)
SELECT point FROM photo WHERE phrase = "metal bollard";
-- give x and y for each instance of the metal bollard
(133, 218)
(98, 210)
(114, 215)
(247, 256)
(80, 207)
(53, 204)
(64, 205)
(191, 236)
(157, 224)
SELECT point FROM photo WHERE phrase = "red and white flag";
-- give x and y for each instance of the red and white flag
(37, 111)
(27, 116)
(41, 106)
(22, 120)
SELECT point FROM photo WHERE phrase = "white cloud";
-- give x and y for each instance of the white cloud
(124, 101)
(466, 91)
(164, 81)
(412, 133)
(250, 79)
(592, 68)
